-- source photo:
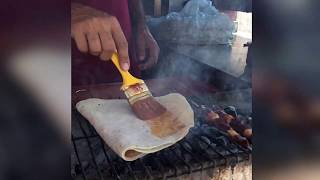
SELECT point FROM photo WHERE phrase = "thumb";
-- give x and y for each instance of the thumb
(141, 43)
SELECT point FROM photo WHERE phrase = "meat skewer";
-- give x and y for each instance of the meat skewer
(230, 125)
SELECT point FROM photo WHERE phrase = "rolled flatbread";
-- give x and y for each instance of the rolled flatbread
(132, 138)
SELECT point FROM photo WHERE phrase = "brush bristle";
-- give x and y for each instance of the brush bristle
(148, 108)
(142, 102)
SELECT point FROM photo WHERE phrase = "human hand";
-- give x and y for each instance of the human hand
(148, 49)
(98, 33)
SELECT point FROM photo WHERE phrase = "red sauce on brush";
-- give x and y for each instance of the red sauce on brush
(136, 87)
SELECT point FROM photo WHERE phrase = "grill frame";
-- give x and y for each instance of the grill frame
(225, 160)
(162, 160)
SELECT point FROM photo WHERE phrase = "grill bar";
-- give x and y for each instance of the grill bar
(145, 168)
(213, 148)
(94, 133)
(78, 158)
(114, 171)
(184, 162)
(192, 155)
(164, 158)
(84, 137)
(91, 129)
(163, 174)
(203, 154)
(131, 171)
(170, 151)
(91, 152)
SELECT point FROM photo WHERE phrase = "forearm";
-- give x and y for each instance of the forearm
(136, 13)
(74, 9)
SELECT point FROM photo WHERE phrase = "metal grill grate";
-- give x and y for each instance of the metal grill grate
(203, 148)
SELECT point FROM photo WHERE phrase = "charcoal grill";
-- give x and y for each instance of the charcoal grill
(204, 148)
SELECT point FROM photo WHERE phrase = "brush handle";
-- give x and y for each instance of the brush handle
(127, 78)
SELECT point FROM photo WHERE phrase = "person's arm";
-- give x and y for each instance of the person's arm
(98, 33)
(148, 49)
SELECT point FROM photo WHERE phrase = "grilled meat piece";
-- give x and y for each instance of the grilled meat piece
(222, 120)
(236, 122)
(244, 129)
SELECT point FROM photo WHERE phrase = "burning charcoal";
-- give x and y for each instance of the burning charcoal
(73, 173)
(177, 150)
(210, 131)
(203, 107)
(188, 137)
(194, 103)
(210, 139)
(147, 159)
(215, 108)
(231, 110)
(187, 157)
(222, 140)
(214, 132)
(186, 146)
(204, 127)
(242, 141)
(100, 158)
(195, 131)
(205, 139)
(207, 131)
(77, 169)
(123, 169)
(166, 152)
(194, 143)
(204, 142)
(202, 145)
(198, 124)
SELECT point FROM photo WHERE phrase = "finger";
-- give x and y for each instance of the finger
(106, 55)
(121, 45)
(149, 63)
(153, 57)
(108, 46)
(81, 42)
(141, 44)
(94, 43)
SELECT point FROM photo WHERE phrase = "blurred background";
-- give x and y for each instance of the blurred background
(285, 90)
(35, 86)
(35, 90)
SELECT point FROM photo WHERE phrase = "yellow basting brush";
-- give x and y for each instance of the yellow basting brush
(140, 98)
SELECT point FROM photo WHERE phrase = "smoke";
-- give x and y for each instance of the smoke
(195, 36)
(198, 39)
(198, 23)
